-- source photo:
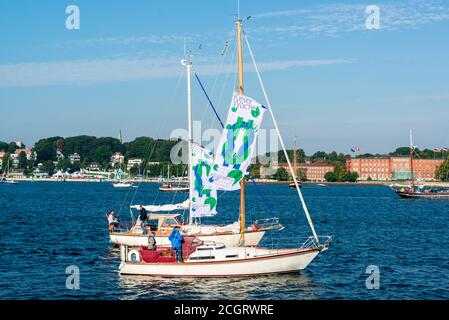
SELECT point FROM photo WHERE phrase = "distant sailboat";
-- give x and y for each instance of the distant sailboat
(416, 192)
(3, 178)
(295, 170)
(174, 186)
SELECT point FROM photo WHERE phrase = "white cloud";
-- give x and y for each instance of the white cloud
(436, 97)
(116, 70)
(335, 19)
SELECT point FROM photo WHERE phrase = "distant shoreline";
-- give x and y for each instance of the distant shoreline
(272, 182)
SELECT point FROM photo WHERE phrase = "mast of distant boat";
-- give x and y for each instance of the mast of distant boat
(412, 174)
(294, 157)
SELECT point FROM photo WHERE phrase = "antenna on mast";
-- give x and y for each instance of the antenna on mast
(238, 9)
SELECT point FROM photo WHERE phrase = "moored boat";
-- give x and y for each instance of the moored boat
(212, 259)
(419, 192)
(122, 185)
(163, 223)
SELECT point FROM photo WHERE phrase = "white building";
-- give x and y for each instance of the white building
(134, 162)
(117, 158)
(74, 157)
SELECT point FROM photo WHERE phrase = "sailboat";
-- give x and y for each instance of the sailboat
(171, 186)
(419, 192)
(163, 218)
(225, 171)
(3, 178)
(120, 182)
(295, 170)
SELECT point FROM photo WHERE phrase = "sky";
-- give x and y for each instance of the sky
(331, 81)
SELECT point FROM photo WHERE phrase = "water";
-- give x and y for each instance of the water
(46, 227)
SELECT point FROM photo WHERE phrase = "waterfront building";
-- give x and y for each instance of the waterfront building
(94, 166)
(392, 168)
(134, 162)
(74, 157)
(30, 155)
(2, 155)
(117, 158)
(59, 154)
(314, 171)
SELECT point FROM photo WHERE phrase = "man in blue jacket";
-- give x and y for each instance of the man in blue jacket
(176, 240)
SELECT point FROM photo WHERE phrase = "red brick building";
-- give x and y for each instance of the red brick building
(393, 168)
(314, 171)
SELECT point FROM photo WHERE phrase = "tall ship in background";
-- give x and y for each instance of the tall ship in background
(414, 191)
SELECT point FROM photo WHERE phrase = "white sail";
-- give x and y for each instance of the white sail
(165, 207)
(237, 142)
(203, 199)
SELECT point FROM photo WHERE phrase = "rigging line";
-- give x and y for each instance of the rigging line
(306, 211)
(208, 99)
(147, 151)
(222, 65)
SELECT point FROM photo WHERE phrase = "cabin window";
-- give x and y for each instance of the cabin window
(204, 249)
(170, 222)
(232, 256)
(202, 258)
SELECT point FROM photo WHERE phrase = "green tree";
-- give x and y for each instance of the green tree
(330, 176)
(3, 146)
(281, 175)
(12, 147)
(46, 149)
(23, 160)
(63, 164)
(302, 174)
(102, 154)
(48, 167)
(255, 171)
(442, 172)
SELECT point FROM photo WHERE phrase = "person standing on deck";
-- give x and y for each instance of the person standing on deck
(143, 218)
(112, 221)
(176, 240)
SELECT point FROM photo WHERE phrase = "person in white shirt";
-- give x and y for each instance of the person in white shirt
(112, 220)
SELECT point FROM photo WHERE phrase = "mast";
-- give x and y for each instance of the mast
(294, 157)
(188, 64)
(303, 203)
(241, 91)
(412, 175)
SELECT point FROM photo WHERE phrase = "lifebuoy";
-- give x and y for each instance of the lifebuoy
(133, 256)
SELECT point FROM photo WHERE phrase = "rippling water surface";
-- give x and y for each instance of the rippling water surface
(46, 227)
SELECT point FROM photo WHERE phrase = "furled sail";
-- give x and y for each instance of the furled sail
(237, 143)
(165, 207)
(203, 199)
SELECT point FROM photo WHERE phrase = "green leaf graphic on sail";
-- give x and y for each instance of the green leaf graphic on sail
(203, 199)
(237, 143)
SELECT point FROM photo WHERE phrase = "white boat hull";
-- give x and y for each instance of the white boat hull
(122, 185)
(230, 240)
(290, 261)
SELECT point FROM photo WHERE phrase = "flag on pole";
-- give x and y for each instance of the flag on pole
(203, 199)
(436, 150)
(237, 143)
(445, 149)
(352, 150)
